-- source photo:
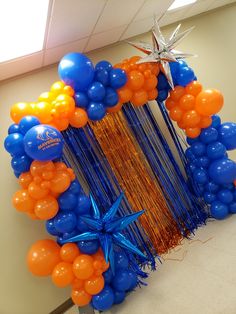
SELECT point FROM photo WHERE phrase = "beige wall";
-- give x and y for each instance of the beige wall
(213, 41)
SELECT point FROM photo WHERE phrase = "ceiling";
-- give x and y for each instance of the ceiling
(85, 25)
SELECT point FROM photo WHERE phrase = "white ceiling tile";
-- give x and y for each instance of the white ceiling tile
(117, 13)
(21, 65)
(152, 7)
(198, 7)
(105, 38)
(219, 3)
(72, 20)
(173, 16)
(54, 55)
(138, 27)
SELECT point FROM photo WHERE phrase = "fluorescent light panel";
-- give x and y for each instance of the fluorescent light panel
(180, 3)
(22, 27)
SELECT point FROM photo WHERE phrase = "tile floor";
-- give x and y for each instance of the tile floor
(198, 277)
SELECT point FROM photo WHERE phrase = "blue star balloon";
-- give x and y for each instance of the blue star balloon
(107, 229)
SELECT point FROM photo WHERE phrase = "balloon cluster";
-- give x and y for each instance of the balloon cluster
(41, 187)
(68, 266)
(181, 73)
(192, 108)
(212, 170)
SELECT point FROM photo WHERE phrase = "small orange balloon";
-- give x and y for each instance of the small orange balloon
(79, 118)
(94, 285)
(177, 93)
(135, 80)
(139, 98)
(36, 191)
(181, 124)
(77, 284)
(125, 94)
(60, 182)
(65, 104)
(170, 103)
(193, 88)
(83, 266)
(155, 68)
(25, 179)
(60, 124)
(38, 167)
(32, 216)
(209, 102)
(42, 257)
(191, 118)
(205, 122)
(80, 297)
(176, 113)
(19, 110)
(69, 252)
(193, 132)
(60, 166)
(68, 90)
(114, 109)
(22, 201)
(134, 59)
(42, 111)
(57, 88)
(152, 94)
(187, 102)
(46, 208)
(150, 83)
(62, 274)
(46, 96)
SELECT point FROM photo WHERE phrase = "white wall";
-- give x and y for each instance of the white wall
(213, 41)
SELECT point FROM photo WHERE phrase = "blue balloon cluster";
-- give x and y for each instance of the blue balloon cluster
(212, 170)
(116, 286)
(181, 73)
(95, 88)
(163, 87)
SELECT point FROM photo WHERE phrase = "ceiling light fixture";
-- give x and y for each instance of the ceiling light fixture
(180, 3)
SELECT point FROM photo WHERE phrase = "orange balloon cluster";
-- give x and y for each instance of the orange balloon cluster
(141, 84)
(192, 108)
(40, 188)
(56, 108)
(67, 266)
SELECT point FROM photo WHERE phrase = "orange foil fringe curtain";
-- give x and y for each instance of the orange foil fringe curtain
(135, 178)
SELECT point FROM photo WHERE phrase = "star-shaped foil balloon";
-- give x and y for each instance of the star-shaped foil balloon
(107, 229)
(162, 50)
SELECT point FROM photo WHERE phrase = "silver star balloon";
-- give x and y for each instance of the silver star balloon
(162, 50)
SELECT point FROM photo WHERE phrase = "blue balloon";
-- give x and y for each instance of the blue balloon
(66, 236)
(81, 100)
(211, 187)
(76, 70)
(108, 276)
(17, 174)
(21, 163)
(200, 176)
(111, 97)
(208, 135)
(27, 122)
(162, 82)
(190, 141)
(96, 111)
(104, 299)
(43, 142)
(216, 121)
(192, 167)
(162, 95)
(219, 210)
(81, 225)
(14, 144)
(121, 260)
(225, 196)
(189, 154)
(216, 150)
(83, 205)
(51, 228)
(174, 68)
(117, 78)
(65, 222)
(198, 149)
(227, 135)
(119, 297)
(96, 91)
(209, 197)
(75, 187)
(232, 208)
(121, 280)
(229, 186)
(185, 76)
(102, 76)
(14, 128)
(133, 278)
(103, 65)
(88, 246)
(222, 171)
(203, 161)
(67, 201)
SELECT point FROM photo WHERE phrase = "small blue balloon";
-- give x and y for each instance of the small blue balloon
(192, 167)
(76, 70)
(81, 225)
(43, 142)
(121, 280)
(121, 260)
(66, 236)
(102, 76)
(108, 276)
(216, 121)
(104, 299)
(119, 297)
(67, 201)
(162, 95)
(75, 187)
(200, 176)
(96, 111)
(117, 78)
(14, 128)
(190, 141)
(51, 228)
(83, 205)
(103, 65)
(216, 150)
(14, 144)
(65, 222)
(111, 97)
(227, 135)
(88, 247)
(232, 208)
(174, 68)
(189, 154)
(211, 187)
(198, 149)
(133, 278)
(225, 196)
(203, 161)
(21, 163)
(219, 210)
(185, 76)
(27, 122)
(222, 171)
(209, 197)
(96, 91)
(81, 100)
(208, 135)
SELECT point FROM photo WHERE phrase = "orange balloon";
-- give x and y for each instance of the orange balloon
(42, 257)
(193, 88)
(80, 297)
(60, 182)
(38, 167)
(176, 113)
(79, 118)
(61, 124)
(48, 175)
(36, 191)
(68, 90)
(209, 102)
(125, 94)
(83, 266)
(42, 110)
(62, 274)
(142, 67)
(135, 80)
(152, 94)
(60, 166)
(170, 103)
(57, 88)
(46, 96)
(105, 266)
(205, 122)
(32, 216)
(25, 179)
(65, 105)
(177, 93)
(150, 83)
(46, 207)
(181, 124)
(155, 68)
(22, 201)
(191, 118)
(193, 132)
(187, 102)
(77, 284)
(134, 59)
(19, 110)
(114, 109)
(94, 285)
(139, 98)
(69, 252)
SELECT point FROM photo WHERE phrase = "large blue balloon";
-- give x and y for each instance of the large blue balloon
(104, 299)
(209, 135)
(88, 246)
(14, 144)
(216, 150)
(43, 142)
(21, 163)
(117, 78)
(96, 91)
(67, 201)
(219, 210)
(222, 171)
(81, 100)
(76, 70)
(227, 135)
(65, 222)
(27, 122)
(96, 111)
